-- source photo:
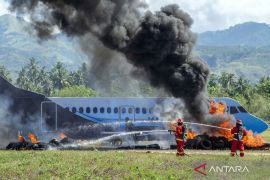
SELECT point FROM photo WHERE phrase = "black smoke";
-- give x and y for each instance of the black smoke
(158, 44)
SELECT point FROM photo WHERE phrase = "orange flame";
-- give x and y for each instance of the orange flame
(250, 140)
(62, 136)
(253, 141)
(33, 138)
(191, 134)
(21, 138)
(226, 133)
(217, 108)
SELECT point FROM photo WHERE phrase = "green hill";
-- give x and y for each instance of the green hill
(248, 62)
(243, 49)
(247, 34)
(17, 46)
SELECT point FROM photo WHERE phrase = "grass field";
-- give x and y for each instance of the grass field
(126, 165)
(266, 135)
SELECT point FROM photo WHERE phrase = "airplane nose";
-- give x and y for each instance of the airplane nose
(261, 125)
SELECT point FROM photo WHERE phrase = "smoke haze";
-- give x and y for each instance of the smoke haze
(11, 123)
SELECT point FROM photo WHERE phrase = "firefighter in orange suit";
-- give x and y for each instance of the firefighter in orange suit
(180, 137)
(238, 134)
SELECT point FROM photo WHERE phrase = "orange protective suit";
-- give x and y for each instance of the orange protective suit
(237, 143)
(180, 139)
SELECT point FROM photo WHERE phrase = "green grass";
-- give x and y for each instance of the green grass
(122, 165)
(266, 135)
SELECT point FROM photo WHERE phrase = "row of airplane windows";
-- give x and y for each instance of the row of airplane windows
(116, 110)
(130, 110)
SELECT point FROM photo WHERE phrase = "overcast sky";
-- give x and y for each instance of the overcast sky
(211, 14)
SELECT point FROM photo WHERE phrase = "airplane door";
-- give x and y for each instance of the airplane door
(127, 114)
(48, 116)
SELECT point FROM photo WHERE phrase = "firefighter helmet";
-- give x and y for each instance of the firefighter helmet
(238, 122)
(179, 120)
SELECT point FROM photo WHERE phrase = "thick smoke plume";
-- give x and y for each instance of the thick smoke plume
(158, 44)
(8, 121)
(11, 123)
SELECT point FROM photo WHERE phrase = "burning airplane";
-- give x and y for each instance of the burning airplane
(93, 118)
(158, 47)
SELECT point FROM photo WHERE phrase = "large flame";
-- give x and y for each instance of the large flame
(252, 140)
(217, 108)
(33, 138)
(226, 133)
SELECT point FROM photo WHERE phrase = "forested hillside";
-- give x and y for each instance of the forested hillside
(19, 44)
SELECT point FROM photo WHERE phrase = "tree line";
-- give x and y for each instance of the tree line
(58, 81)
(254, 97)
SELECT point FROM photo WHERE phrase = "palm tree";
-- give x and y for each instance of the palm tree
(5, 73)
(34, 78)
(60, 76)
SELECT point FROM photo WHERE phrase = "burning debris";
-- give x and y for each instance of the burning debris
(22, 144)
(33, 138)
(217, 136)
(34, 144)
(251, 140)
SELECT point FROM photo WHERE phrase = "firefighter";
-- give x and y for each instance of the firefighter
(238, 133)
(180, 137)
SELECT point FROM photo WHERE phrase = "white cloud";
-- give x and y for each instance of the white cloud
(3, 7)
(220, 14)
(210, 14)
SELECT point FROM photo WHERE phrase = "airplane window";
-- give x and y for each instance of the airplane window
(74, 110)
(130, 110)
(115, 110)
(150, 110)
(137, 110)
(88, 110)
(233, 110)
(109, 110)
(157, 118)
(144, 110)
(241, 109)
(102, 110)
(95, 110)
(81, 110)
(124, 110)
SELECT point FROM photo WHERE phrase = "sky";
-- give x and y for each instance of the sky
(3, 7)
(210, 15)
